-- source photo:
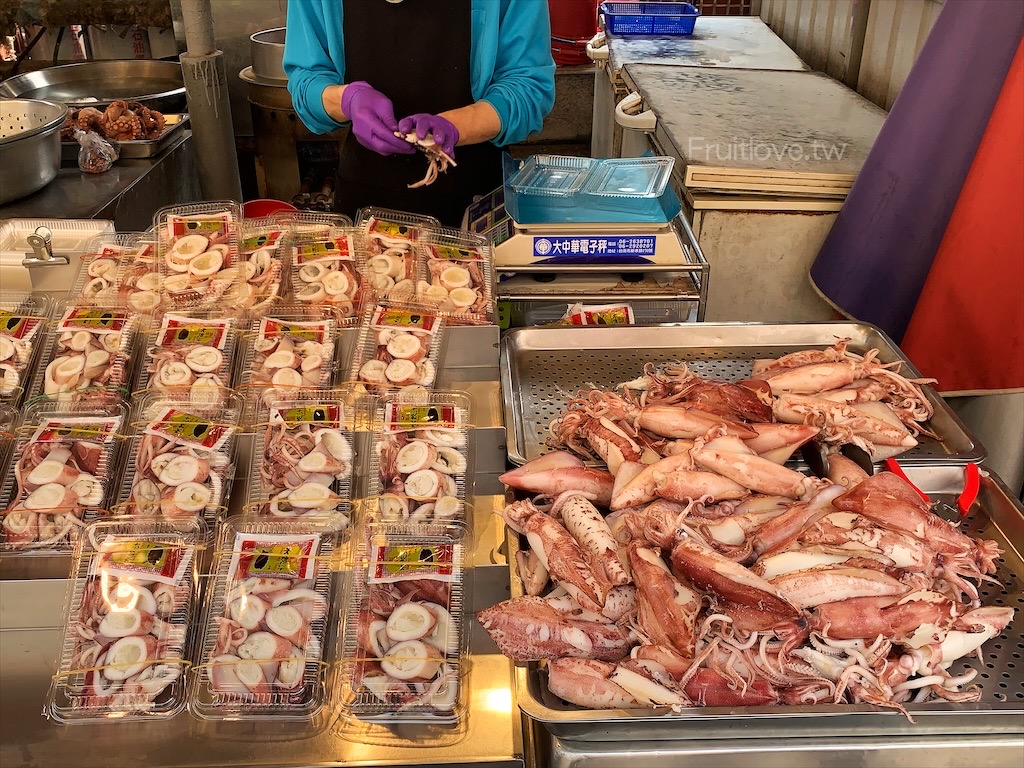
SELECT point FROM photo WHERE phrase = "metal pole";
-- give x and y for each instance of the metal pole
(206, 87)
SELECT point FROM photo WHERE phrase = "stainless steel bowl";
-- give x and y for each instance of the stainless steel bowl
(156, 84)
(267, 48)
(29, 145)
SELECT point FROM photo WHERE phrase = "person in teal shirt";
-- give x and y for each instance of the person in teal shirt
(475, 75)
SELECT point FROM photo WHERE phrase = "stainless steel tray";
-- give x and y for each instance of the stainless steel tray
(157, 84)
(133, 150)
(995, 515)
(542, 368)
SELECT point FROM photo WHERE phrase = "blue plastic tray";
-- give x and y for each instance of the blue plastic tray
(649, 18)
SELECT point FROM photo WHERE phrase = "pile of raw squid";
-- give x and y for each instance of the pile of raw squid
(722, 577)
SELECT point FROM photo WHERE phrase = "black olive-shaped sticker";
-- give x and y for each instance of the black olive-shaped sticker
(433, 414)
(182, 334)
(12, 323)
(260, 562)
(155, 556)
(426, 555)
(319, 414)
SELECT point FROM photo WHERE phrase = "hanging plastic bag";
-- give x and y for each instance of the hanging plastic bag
(97, 154)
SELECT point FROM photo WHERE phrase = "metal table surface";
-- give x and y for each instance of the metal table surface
(127, 194)
(728, 42)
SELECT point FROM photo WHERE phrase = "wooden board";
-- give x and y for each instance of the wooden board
(796, 133)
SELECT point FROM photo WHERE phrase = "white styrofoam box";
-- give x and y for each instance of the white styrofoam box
(68, 237)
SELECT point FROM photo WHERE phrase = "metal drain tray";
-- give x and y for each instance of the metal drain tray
(1000, 713)
(542, 369)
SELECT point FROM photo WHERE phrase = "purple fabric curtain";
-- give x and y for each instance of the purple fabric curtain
(876, 258)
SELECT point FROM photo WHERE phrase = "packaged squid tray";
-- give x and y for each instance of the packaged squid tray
(398, 346)
(458, 276)
(267, 622)
(303, 461)
(23, 328)
(310, 222)
(105, 259)
(88, 356)
(131, 610)
(191, 354)
(198, 251)
(61, 475)
(262, 263)
(387, 240)
(325, 270)
(181, 460)
(405, 644)
(419, 460)
(289, 351)
(9, 418)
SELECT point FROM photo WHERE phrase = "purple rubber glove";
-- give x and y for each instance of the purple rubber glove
(446, 135)
(373, 119)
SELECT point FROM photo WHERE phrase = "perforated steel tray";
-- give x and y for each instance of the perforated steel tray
(543, 368)
(1000, 712)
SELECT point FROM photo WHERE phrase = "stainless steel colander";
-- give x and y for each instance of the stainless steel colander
(29, 145)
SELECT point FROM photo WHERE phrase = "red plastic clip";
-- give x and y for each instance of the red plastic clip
(893, 466)
(972, 484)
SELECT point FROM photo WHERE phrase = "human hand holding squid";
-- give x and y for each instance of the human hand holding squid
(373, 119)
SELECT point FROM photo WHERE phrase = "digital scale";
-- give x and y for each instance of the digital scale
(658, 268)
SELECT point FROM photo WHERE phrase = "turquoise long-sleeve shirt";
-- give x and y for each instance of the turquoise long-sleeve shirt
(510, 62)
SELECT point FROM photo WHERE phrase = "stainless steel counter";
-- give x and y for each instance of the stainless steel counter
(128, 194)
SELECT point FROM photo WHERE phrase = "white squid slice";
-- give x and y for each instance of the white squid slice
(401, 371)
(410, 621)
(286, 621)
(406, 346)
(423, 484)
(449, 461)
(204, 359)
(415, 455)
(248, 610)
(128, 656)
(411, 660)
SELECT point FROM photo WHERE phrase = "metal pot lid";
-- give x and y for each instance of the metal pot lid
(91, 83)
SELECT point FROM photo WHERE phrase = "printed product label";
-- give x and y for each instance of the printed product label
(318, 249)
(18, 326)
(190, 429)
(451, 253)
(392, 229)
(390, 563)
(398, 416)
(204, 224)
(279, 556)
(93, 320)
(320, 414)
(403, 318)
(160, 561)
(608, 314)
(91, 430)
(264, 240)
(178, 330)
(624, 245)
(271, 329)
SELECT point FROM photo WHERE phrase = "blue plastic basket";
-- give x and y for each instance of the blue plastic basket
(649, 18)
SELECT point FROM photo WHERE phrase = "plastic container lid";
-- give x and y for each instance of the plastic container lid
(644, 177)
(551, 175)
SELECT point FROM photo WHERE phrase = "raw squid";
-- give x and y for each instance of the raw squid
(291, 355)
(457, 283)
(89, 356)
(20, 335)
(199, 257)
(192, 356)
(397, 349)
(324, 272)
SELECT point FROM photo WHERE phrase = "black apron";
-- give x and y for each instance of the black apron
(417, 53)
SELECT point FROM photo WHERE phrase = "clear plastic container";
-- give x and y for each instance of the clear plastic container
(288, 352)
(398, 346)
(105, 259)
(198, 248)
(89, 354)
(263, 263)
(9, 418)
(303, 459)
(267, 622)
(181, 460)
(305, 223)
(631, 177)
(405, 647)
(325, 270)
(420, 459)
(458, 276)
(551, 175)
(131, 609)
(24, 320)
(191, 355)
(62, 474)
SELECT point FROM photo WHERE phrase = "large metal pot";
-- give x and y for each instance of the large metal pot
(29, 145)
(156, 84)
(267, 49)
